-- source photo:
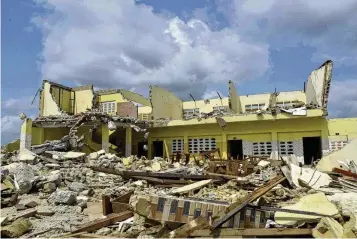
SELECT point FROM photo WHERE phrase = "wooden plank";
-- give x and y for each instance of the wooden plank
(167, 154)
(185, 230)
(99, 223)
(191, 187)
(250, 232)
(161, 181)
(129, 174)
(236, 207)
(26, 214)
(107, 205)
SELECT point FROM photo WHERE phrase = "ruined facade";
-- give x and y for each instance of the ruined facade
(283, 122)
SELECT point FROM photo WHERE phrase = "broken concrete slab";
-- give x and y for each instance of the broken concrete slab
(330, 228)
(4, 221)
(16, 229)
(347, 203)
(24, 177)
(313, 178)
(74, 155)
(317, 203)
(344, 155)
(263, 163)
(62, 197)
(77, 187)
(49, 187)
(26, 156)
(52, 165)
(45, 211)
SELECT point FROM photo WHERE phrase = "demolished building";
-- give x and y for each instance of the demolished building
(113, 164)
(251, 125)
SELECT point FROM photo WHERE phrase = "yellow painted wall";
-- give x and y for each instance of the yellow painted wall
(165, 104)
(38, 135)
(12, 146)
(62, 97)
(291, 96)
(234, 99)
(134, 97)
(83, 100)
(344, 126)
(55, 133)
(261, 131)
(117, 97)
(205, 108)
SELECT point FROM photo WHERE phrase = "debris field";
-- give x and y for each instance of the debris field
(55, 191)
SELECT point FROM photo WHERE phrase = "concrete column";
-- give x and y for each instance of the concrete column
(185, 143)
(105, 138)
(26, 134)
(224, 146)
(274, 142)
(149, 143)
(128, 142)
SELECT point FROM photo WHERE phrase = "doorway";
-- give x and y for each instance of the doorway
(235, 149)
(158, 149)
(312, 149)
(141, 151)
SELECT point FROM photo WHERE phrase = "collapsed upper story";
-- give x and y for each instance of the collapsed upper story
(57, 99)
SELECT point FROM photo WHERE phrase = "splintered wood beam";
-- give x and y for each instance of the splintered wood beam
(236, 207)
(103, 222)
(251, 232)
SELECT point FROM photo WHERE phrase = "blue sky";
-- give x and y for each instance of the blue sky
(189, 47)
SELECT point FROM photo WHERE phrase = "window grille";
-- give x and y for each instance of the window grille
(177, 146)
(189, 113)
(203, 144)
(337, 145)
(254, 107)
(262, 148)
(108, 107)
(286, 147)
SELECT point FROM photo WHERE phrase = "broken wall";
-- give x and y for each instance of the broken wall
(83, 96)
(206, 106)
(165, 104)
(318, 85)
(48, 105)
(234, 100)
(131, 96)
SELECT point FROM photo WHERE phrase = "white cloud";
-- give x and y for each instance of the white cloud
(343, 99)
(331, 28)
(211, 94)
(121, 44)
(10, 128)
(18, 105)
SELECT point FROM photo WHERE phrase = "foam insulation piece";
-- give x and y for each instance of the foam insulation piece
(317, 203)
(333, 160)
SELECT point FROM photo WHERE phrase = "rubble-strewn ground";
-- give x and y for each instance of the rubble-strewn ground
(64, 189)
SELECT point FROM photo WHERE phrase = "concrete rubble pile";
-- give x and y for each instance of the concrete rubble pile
(47, 193)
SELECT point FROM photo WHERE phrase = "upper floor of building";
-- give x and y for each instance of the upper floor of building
(56, 99)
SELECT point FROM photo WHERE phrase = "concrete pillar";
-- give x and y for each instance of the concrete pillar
(224, 146)
(128, 142)
(26, 134)
(105, 138)
(149, 143)
(185, 143)
(274, 142)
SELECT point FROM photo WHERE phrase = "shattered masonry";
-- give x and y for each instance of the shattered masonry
(113, 163)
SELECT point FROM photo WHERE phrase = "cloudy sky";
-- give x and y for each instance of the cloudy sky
(186, 46)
